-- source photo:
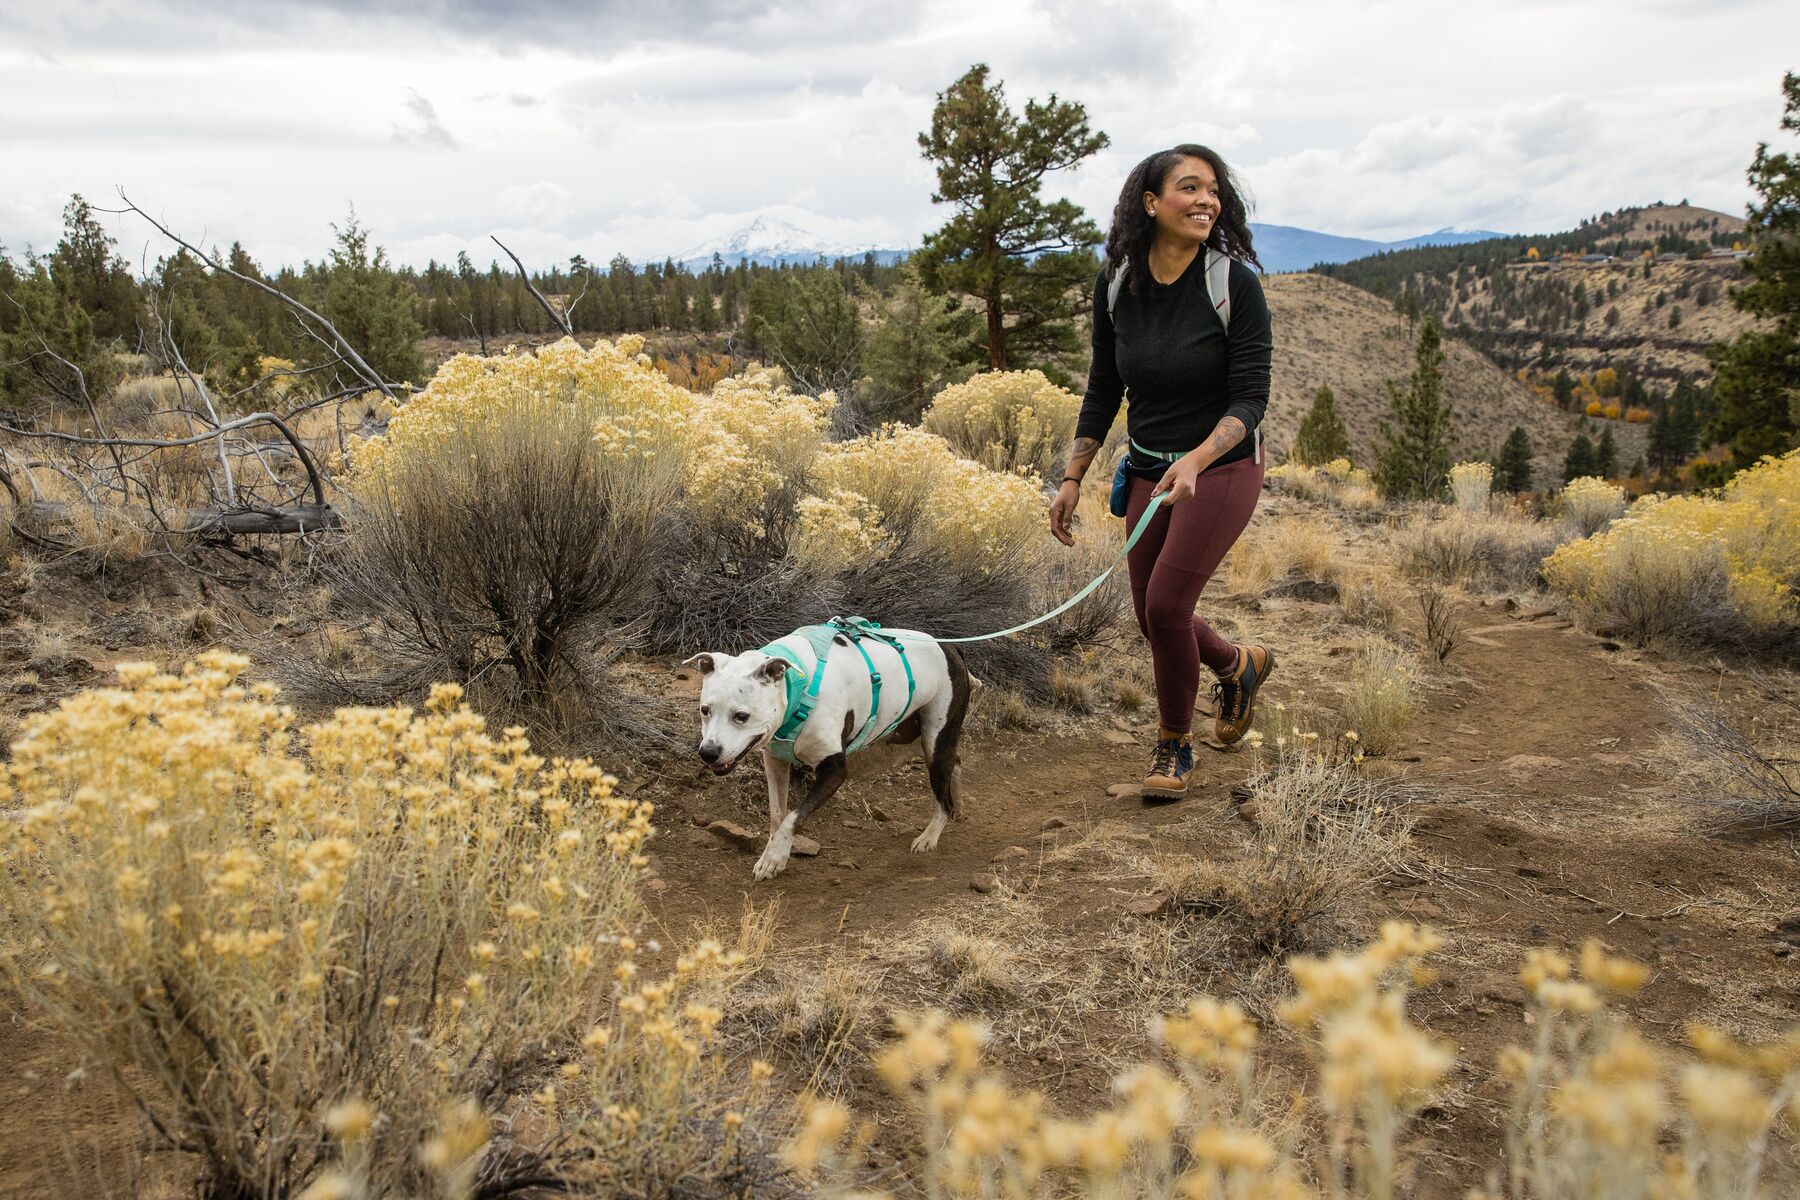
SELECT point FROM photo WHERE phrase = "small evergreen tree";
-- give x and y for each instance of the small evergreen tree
(913, 352)
(372, 306)
(1563, 387)
(1758, 382)
(1515, 470)
(1579, 461)
(1606, 455)
(809, 325)
(1322, 435)
(1415, 460)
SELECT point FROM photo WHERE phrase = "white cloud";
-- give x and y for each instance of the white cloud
(601, 128)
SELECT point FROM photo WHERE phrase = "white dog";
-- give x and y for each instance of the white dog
(745, 702)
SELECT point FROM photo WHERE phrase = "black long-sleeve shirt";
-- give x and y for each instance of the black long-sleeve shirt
(1167, 345)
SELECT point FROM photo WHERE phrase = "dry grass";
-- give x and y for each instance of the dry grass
(1302, 546)
(1370, 598)
(819, 1022)
(1477, 550)
(1742, 756)
(1326, 834)
(1378, 707)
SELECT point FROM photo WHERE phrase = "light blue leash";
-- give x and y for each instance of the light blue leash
(803, 686)
(1130, 541)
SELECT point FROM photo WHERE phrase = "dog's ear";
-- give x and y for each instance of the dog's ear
(703, 661)
(774, 670)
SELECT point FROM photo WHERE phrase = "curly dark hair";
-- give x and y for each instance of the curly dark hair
(1133, 229)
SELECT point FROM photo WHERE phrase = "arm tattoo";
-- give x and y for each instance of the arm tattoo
(1081, 454)
(1228, 433)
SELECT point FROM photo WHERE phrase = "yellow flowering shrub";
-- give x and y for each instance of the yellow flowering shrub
(253, 926)
(1592, 1114)
(1695, 567)
(1336, 482)
(1006, 420)
(1589, 502)
(487, 531)
(1470, 483)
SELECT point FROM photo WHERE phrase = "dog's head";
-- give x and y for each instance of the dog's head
(743, 698)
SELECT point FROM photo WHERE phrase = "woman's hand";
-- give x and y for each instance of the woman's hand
(1178, 480)
(1062, 511)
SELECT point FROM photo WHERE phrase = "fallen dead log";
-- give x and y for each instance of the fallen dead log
(301, 518)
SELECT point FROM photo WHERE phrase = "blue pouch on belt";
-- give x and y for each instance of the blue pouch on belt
(1121, 488)
(1121, 484)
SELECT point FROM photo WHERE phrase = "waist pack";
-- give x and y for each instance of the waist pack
(1121, 484)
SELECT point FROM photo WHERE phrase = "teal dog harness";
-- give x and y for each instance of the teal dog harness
(803, 689)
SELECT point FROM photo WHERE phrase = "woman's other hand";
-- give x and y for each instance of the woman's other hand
(1178, 480)
(1062, 512)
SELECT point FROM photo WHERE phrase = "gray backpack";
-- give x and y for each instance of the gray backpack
(1218, 283)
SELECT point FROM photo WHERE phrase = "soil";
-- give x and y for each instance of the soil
(1552, 816)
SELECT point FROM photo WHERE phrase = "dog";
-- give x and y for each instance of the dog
(744, 702)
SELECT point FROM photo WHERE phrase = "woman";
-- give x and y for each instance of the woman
(1198, 392)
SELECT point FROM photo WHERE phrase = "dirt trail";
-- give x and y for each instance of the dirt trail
(1551, 822)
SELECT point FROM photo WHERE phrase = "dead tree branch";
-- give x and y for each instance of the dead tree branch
(562, 321)
(355, 360)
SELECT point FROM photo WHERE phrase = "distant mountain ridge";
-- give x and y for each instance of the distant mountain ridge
(770, 241)
(1290, 248)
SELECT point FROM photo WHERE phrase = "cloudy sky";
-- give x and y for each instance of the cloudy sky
(599, 126)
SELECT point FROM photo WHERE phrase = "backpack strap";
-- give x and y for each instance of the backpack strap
(1218, 284)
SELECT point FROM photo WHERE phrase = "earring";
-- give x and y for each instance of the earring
(1153, 212)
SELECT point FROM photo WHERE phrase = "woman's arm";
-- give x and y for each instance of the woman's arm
(1105, 390)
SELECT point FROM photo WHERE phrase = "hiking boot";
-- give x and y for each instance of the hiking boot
(1171, 765)
(1234, 696)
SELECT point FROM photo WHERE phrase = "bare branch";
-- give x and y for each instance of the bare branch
(562, 322)
(362, 368)
(312, 471)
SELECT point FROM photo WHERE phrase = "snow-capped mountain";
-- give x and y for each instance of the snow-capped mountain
(774, 241)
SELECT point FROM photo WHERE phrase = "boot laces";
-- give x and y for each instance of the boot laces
(1165, 757)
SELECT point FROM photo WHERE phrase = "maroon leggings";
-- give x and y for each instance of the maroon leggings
(1171, 563)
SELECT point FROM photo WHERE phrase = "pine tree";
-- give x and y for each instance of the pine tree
(1515, 471)
(1757, 386)
(1579, 461)
(809, 325)
(1606, 455)
(372, 306)
(912, 353)
(1563, 388)
(1027, 262)
(1322, 435)
(1415, 460)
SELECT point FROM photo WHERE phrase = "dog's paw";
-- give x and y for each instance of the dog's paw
(926, 842)
(769, 866)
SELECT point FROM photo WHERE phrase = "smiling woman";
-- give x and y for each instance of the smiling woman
(1180, 319)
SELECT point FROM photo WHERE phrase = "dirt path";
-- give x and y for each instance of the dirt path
(1552, 822)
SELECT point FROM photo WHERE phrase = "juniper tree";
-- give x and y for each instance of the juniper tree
(1606, 455)
(1415, 458)
(1579, 461)
(1322, 435)
(1758, 382)
(1027, 262)
(1514, 474)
